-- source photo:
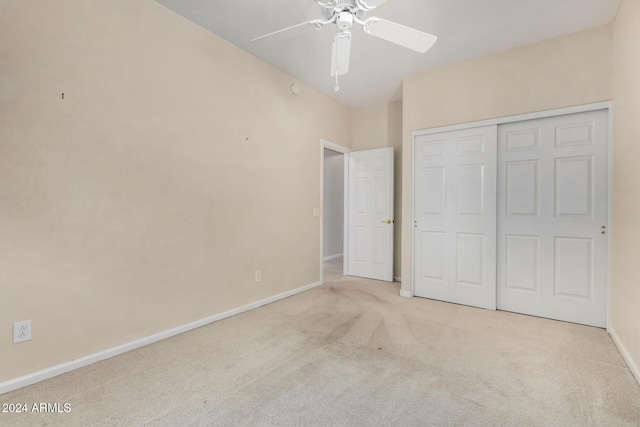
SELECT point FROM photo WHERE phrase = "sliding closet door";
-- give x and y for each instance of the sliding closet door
(553, 216)
(455, 216)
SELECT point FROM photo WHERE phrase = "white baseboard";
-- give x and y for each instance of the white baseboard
(330, 257)
(406, 294)
(633, 367)
(54, 371)
(397, 279)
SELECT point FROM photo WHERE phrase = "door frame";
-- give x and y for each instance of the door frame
(324, 144)
(607, 105)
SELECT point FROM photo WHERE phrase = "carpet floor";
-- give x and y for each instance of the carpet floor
(354, 353)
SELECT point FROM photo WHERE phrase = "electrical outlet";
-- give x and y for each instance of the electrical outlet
(21, 331)
(258, 276)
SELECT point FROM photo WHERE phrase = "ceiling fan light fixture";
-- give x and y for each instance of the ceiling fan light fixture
(340, 53)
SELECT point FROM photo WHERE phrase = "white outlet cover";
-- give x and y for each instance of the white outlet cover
(21, 331)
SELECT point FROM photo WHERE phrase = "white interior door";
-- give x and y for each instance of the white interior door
(553, 217)
(370, 214)
(455, 216)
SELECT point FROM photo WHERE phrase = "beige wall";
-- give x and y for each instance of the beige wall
(569, 70)
(380, 126)
(625, 292)
(175, 167)
(172, 146)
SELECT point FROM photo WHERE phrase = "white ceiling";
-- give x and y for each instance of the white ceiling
(465, 28)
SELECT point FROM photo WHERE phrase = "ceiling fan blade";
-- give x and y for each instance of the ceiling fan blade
(340, 53)
(327, 3)
(317, 23)
(399, 34)
(370, 4)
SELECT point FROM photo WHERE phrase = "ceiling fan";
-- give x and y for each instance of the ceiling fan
(344, 13)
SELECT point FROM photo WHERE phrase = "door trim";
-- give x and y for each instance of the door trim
(517, 118)
(324, 144)
(606, 105)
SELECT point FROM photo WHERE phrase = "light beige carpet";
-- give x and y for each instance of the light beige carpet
(354, 353)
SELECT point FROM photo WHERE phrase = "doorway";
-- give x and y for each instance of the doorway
(356, 224)
(333, 162)
(333, 215)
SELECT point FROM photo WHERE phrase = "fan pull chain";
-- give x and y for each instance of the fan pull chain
(337, 87)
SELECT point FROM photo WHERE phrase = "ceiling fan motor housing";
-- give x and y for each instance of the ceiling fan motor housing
(342, 6)
(345, 20)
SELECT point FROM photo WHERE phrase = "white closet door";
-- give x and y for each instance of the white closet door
(552, 217)
(455, 216)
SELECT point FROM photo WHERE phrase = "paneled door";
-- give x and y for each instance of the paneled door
(370, 218)
(553, 217)
(455, 216)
